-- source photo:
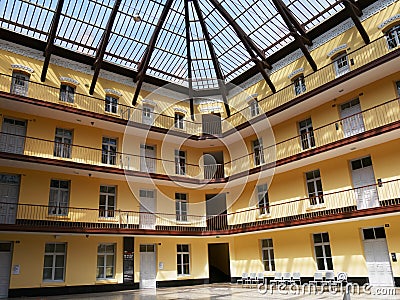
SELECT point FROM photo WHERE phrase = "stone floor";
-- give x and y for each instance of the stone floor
(221, 292)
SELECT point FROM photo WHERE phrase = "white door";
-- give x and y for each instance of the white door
(352, 119)
(9, 190)
(377, 258)
(148, 270)
(364, 183)
(147, 217)
(5, 268)
(147, 158)
(13, 136)
(148, 115)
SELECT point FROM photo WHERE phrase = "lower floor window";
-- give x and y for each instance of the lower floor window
(105, 261)
(183, 259)
(267, 252)
(54, 261)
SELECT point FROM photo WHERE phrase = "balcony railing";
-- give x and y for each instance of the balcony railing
(355, 200)
(366, 121)
(359, 57)
(375, 117)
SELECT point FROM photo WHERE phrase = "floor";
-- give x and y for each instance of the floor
(219, 292)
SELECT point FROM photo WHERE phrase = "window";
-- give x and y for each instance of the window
(267, 253)
(108, 151)
(54, 261)
(179, 120)
(374, 233)
(299, 85)
(341, 65)
(180, 162)
(262, 197)
(306, 134)
(19, 84)
(105, 261)
(63, 143)
(107, 201)
(361, 163)
(258, 152)
(393, 37)
(323, 253)
(398, 88)
(314, 187)
(67, 93)
(147, 114)
(183, 259)
(111, 104)
(59, 197)
(181, 206)
(254, 108)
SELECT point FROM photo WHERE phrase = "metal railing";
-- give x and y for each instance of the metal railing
(383, 194)
(358, 58)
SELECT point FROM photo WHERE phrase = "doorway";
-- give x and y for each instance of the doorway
(9, 191)
(148, 158)
(377, 257)
(216, 211)
(13, 136)
(219, 263)
(148, 270)
(147, 217)
(213, 165)
(352, 119)
(5, 268)
(211, 123)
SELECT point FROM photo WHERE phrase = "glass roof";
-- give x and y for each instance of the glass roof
(83, 22)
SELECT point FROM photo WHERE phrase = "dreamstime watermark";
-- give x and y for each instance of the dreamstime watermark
(325, 288)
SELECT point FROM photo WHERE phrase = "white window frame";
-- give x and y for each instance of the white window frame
(54, 255)
(313, 178)
(342, 64)
(20, 83)
(111, 104)
(180, 259)
(263, 199)
(106, 210)
(63, 142)
(67, 93)
(180, 162)
(105, 254)
(59, 198)
(393, 37)
(267, 254)
(299, 85)
(109, 150)
(323, 244)
(254, 108)
(179, 120)
(306, 131)
(181, 206)
(258, 152)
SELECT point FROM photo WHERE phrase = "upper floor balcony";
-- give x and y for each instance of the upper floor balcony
(369, 200)
(365, 125)
(66, 99)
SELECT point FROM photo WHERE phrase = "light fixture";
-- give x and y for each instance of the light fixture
(137, 18)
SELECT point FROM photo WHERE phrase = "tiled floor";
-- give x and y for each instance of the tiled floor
(217, 292)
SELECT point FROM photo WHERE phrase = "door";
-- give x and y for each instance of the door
(216, 211)
(147, 158)
(148, 270)
(9, 190)
(211, 123)
(377, 257)
(5, 268)
(352, 119)
(148, 115)
(219, 268)
(147, 217)
(364, 183)
(13, 136)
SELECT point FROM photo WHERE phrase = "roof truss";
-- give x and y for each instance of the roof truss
(355, 12)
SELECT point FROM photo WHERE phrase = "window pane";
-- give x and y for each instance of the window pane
(59, 261)
(47, 274)
(380, 233)
(60, 248)
(368, 234)
(328, 251)
(48, 261)
(49, 248)
(59, 274)
(318, 251)
(320, 264)
(329, 263)
(325, 237)
(317, 238)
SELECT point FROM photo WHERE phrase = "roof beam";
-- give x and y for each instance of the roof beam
(189, 59)
(293, 26)
(144, 63)
(102, 46)
(246, 40)
(214, 59)
(50, 41)
(355, 12)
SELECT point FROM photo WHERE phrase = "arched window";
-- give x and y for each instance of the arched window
(393, 36)
(67, 89)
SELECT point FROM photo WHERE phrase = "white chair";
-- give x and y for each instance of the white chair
(260, 278)
(296, 278)
(251, 279)
(317, 278)
(242, 280)
(330, 277)
(277, 278)
(286, 278)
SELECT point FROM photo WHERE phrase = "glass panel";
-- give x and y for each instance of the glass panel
(325, 237)
(329, 263)
(59, 261)
(318, 251)
(60, 248)
(366, 161)
(320, 264)
(380, 233)
(47, 274)
(59, 274)
(368, 234)
(328, 251)
(317, 238)
(48, 261)
(49, 248)
(110, 260)
(356, 164)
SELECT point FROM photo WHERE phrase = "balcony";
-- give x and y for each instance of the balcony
(325, 77)
(340, 205)
(366, 124)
